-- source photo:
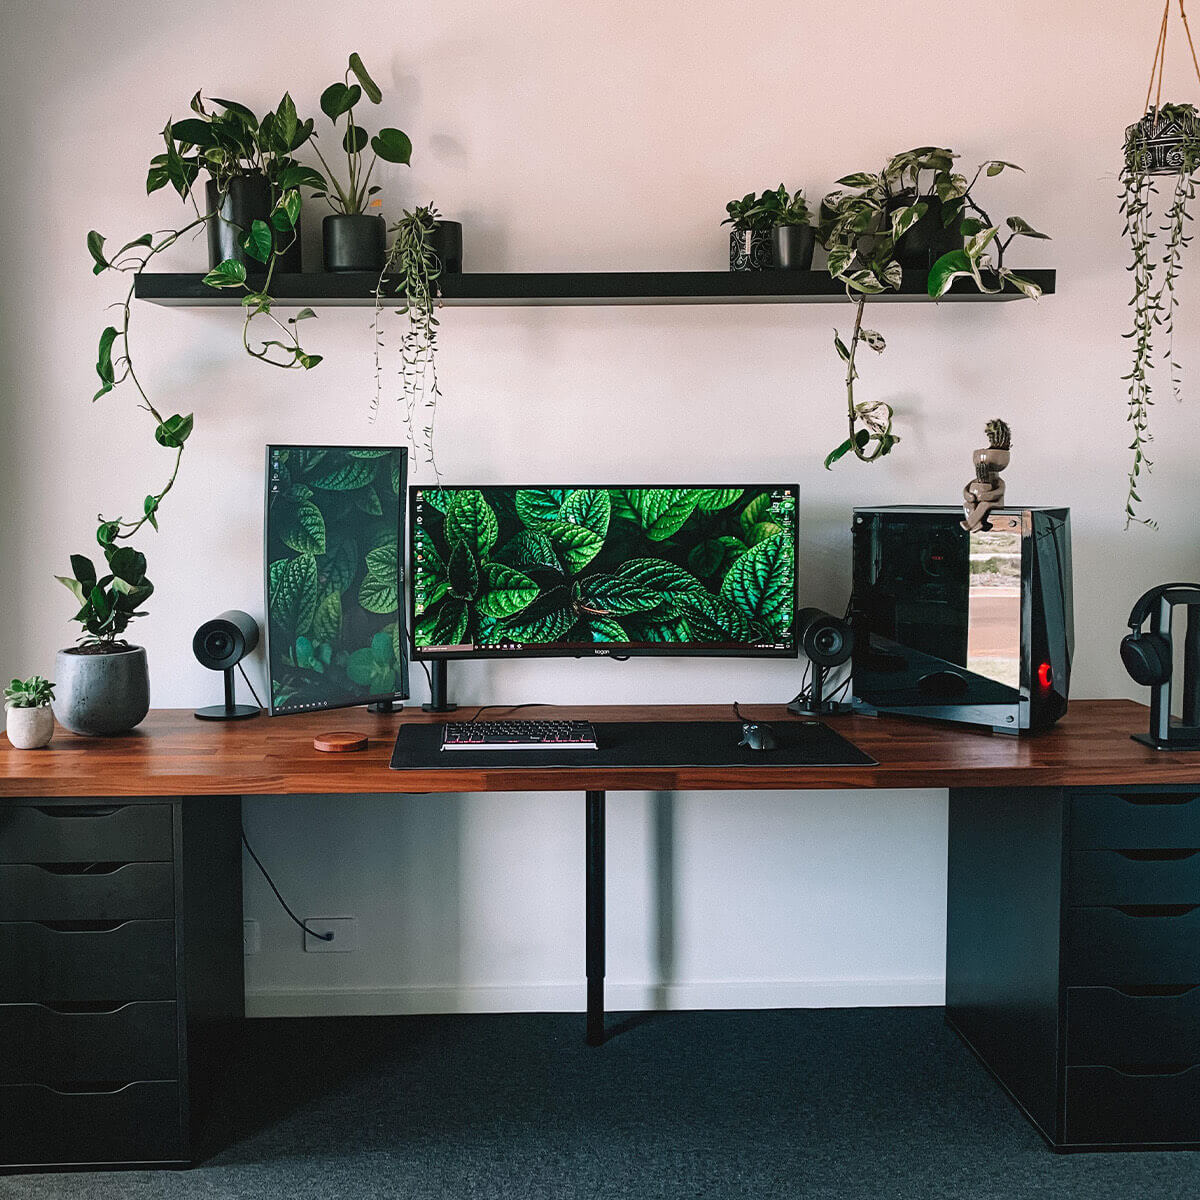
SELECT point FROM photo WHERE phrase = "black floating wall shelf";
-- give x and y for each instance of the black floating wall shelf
(569, 287)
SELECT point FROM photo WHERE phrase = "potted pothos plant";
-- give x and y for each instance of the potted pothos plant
(863, 229)
(793, 234)
(103, 682)
(750, 233)
(1164, 143)
(354, 239)
(422, 246)
(29, 721)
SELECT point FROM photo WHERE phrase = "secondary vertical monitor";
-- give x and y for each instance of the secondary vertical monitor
(335, 598)
(599, 570)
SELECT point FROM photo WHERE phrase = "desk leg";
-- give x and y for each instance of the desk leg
(595, 918)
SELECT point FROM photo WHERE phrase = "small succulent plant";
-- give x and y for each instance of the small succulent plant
(34, 692)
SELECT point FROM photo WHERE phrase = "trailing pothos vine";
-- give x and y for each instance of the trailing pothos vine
(1148, 153)
(412, 270)
(227, 143)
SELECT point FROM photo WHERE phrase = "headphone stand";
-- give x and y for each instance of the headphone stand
(1149, 659)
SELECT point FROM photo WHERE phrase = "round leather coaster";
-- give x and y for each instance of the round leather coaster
(340, 741)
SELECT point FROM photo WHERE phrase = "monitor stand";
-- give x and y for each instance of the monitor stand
(437, 689)
(385, 706)
(812, 702)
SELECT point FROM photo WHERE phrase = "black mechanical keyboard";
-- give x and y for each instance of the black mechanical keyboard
(518, 735)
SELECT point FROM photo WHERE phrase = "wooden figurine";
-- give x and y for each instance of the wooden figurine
(986, 490)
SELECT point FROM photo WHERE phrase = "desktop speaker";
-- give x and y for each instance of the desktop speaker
(957, 626)
(219, 645)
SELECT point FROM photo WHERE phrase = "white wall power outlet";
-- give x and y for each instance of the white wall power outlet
(344, 930)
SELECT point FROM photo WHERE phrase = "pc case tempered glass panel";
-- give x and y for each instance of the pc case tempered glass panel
(604, 570)
(335, 595)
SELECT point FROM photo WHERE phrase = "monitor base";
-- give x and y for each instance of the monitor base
(225, 712)
(437, 689)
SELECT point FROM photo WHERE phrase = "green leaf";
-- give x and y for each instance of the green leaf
(381, 647)
(95, 245)
(1022, 227)
(106, 532)
(841, 347)
(997, 165)
(383, 560)
(549, 619)
(661, 511)
(240, 111)
(347, 477)
(471, 521)
(368, 84)
(338, 568)
(536, 506)
(589, 508)
(713, 556)
(327, 619)
(946, 270)
(605, 629)
(337, 99)
(758, 509)
(256, 241)
(529, 550)
(670, 582)
(104, 362)
(378, 594)
(463, 572)
(292, 595)
(446, 627)
(174, 431)
(367, 500)
(363, 669)
(392, 145)
(837, 452)
(715, 499)
(84, 569)
(506, 593)
(229, 273)
(286, 212)
(1026, 286)
(128, 564)
(616, 596)
(903, 219)
(298, 176)
(762, 531)
(860, 179)
(576, 545)
(354, 139)
(305, 531)
(713, 618)
(762, 583)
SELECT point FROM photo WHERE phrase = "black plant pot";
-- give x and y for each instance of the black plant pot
(749, 249)
(446, 241)
(247, 200)
(792, 246)
(926, 241)
(354, 242)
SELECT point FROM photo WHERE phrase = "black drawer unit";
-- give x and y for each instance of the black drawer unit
(1073, 957)
(120, 955)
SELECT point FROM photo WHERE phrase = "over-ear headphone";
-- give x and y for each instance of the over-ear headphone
(1147, 656)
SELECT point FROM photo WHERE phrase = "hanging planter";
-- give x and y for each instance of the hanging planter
(1162, 145)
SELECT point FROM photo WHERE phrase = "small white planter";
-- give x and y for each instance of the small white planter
(29, 728)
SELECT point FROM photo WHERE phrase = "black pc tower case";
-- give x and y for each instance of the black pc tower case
(957, 626)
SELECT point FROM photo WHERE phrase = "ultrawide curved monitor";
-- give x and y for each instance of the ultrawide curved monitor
(605, 570)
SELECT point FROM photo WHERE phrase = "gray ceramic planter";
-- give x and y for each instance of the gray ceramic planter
(101, 694)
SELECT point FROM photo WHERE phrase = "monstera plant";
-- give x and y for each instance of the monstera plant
(605, 565)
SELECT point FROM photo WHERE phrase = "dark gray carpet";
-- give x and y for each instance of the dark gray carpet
(845, 1103)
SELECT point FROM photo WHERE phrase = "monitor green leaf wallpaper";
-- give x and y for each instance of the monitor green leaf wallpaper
(545, 569)
(334, 521)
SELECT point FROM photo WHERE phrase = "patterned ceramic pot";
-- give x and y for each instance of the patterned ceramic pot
(749, 249)
(1157, 144)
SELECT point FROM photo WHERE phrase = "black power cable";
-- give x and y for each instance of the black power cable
(324, 937)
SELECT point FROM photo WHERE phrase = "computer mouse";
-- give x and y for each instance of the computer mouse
(756, 736)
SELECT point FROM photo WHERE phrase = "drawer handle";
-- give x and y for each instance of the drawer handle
(1157, 989)
(81, 868)
(1155, 910)
(1157, 855)
(81, 926)
(90, 1087)
(81, 810)
(1160, 798)
(84, 1008)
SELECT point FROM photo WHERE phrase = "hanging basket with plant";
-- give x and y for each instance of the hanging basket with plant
(1164, 144)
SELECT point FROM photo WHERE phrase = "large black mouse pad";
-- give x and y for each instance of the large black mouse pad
(645, 744)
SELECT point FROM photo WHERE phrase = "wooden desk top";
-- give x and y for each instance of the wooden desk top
(173, 754)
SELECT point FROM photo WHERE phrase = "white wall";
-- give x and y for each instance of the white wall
(570, 136)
